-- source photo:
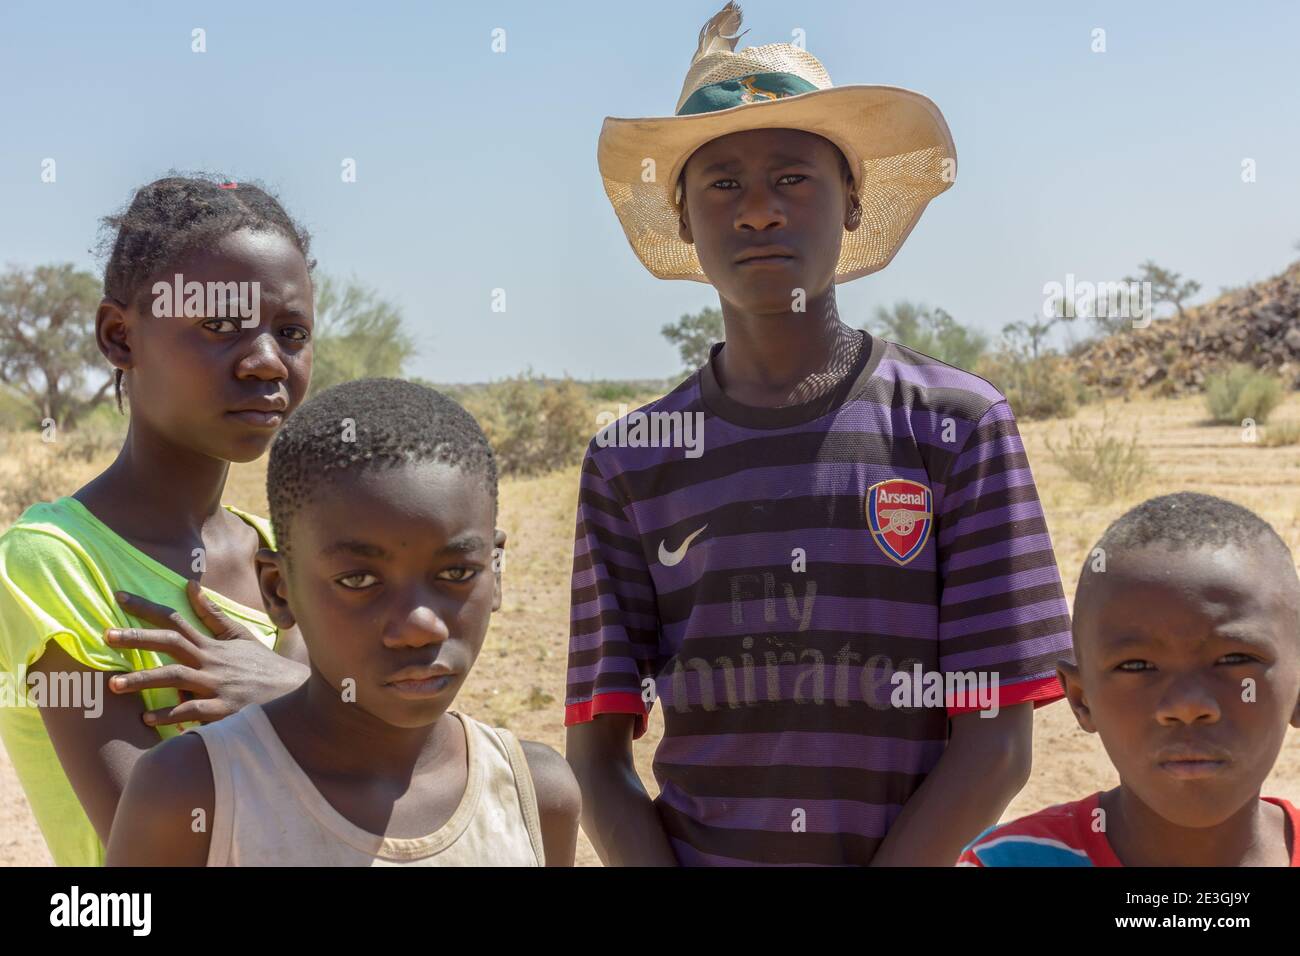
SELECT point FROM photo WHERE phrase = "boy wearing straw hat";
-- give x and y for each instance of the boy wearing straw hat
(842, 592)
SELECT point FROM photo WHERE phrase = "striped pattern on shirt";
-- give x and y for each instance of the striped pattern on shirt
(744, 589)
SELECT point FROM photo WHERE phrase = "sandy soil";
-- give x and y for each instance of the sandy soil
(519, 680)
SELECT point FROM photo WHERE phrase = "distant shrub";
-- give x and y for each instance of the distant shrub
(534, 424)
(1041, 387)
(1110, 466)
(613, 391)
(1283, 433)
(1242, 392)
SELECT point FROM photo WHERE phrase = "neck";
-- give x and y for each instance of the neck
(157, 490)
(375, 750)
(783, 358)
(1141, 837)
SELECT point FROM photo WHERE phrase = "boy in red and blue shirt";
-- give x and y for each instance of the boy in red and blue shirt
(1187, 663)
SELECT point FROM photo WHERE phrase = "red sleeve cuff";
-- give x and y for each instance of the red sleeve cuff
(1045, 690)
(614, 702)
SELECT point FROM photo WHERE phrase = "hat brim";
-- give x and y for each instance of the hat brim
(896, 141)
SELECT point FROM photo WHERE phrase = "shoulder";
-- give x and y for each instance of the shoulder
(177, 772)
(923, 382)
(1049, 837)
(608, 454)
(165, 815)
(50, 529)
(553, 780)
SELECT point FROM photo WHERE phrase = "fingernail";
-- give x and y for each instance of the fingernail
(116, 683)
(148, 718)
(110, 636)
(120, 595)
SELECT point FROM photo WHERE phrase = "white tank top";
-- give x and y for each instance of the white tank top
(269, 813)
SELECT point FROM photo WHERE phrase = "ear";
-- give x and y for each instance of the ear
(1068, 674)
(1295, 714)
(271, 581)
(852, 206)
(111, 333)
(684, 224)
(498, 562)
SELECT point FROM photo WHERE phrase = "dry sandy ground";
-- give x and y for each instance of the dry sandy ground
(519, 680)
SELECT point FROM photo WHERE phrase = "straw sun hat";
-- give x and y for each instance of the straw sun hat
(896, 142)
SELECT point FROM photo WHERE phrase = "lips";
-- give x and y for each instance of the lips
(265, 412)
(1192, 762)
(421, 682)
(765, 255)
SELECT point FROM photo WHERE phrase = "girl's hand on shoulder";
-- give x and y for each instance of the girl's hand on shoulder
(215, 674)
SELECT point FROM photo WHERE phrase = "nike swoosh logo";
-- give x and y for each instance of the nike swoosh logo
(669, 558)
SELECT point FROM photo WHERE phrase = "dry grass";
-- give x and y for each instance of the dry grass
(519, 679)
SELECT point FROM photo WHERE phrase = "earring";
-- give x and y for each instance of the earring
(855, 216)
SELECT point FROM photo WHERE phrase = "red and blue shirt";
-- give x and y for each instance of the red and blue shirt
(1069, 834)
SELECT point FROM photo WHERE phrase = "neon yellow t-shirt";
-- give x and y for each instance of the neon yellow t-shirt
(59, 567)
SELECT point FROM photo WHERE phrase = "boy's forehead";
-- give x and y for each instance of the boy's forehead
(1156, 583)
(428, 496)
(762, 143)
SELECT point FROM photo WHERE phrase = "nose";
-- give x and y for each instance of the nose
(419, 626)
(1188, 700)
(262, 360)
(759, 209)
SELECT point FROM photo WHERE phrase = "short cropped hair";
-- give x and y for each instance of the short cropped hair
(392, 422)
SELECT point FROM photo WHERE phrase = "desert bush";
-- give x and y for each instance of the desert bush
(612, 391)
(1282, 433)
(1241, 392)
(534, 424)
(1040, 387)
(1111, 466)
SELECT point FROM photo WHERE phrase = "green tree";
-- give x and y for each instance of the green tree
(356, 335)
(1166, 286)
(932, 331)
(694, 335)
(47, 341)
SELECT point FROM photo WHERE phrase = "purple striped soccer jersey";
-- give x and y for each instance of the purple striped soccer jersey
(810, 592)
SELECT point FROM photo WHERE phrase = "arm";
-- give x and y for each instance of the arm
(559, 802)
(617, 813)
(1002, 612)
(986, 764)
(97, 755)
(613, 649)
(165, 815)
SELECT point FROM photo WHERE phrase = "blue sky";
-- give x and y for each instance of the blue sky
(476, 170)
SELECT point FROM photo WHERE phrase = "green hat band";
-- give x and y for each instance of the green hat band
(755, 88)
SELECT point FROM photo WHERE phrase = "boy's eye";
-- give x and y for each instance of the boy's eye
(358, 581)
(458, 575)
(299, 334)
(233, 326)
(789, 179)
(1134, 666)
(1237, 658)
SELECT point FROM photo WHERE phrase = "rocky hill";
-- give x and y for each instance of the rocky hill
(1258, 325)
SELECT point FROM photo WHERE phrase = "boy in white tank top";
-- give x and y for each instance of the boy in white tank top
(383, 495)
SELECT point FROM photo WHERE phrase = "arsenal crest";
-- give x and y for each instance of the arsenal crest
(900, 513)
